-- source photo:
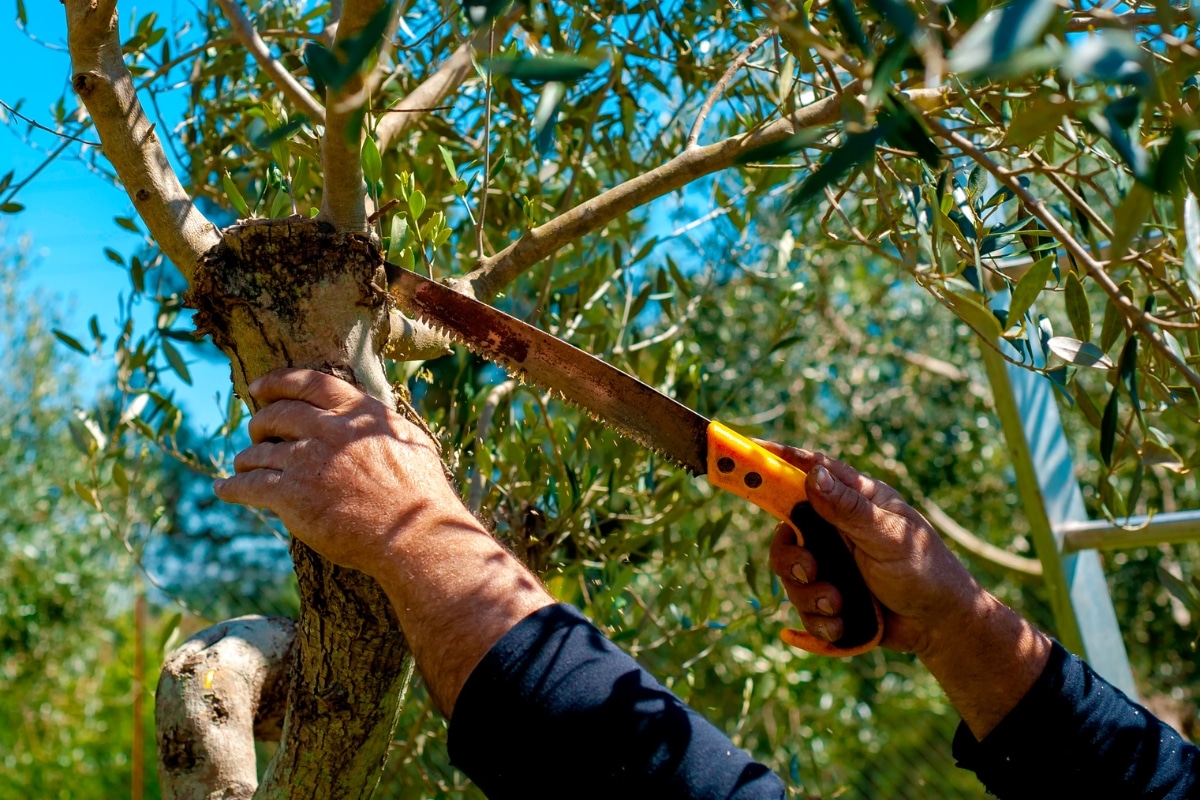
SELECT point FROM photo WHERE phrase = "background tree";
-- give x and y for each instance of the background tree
(989, 159)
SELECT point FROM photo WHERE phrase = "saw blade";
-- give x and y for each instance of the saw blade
(611, 396)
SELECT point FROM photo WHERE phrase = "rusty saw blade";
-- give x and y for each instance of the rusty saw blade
(612, 396)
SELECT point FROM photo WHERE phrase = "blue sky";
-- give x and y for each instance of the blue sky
(69, 210)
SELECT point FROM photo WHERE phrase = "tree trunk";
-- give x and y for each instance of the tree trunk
(297, 293)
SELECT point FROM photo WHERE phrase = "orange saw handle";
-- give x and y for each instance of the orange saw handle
(754, 473)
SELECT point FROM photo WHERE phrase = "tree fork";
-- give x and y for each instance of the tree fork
(299, 293)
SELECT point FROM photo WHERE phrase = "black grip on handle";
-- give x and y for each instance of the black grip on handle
(836, 565)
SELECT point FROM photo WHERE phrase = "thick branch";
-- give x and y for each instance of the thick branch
(218, 692)
(1135, 315)
(693, 136)
(494, 273)
(444, 81)
(287, 83)
(344, 202)
(106, 88)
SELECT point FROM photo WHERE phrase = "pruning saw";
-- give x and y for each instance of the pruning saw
(702, 446)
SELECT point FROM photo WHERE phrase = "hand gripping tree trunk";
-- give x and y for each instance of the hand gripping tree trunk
(272, 293)
(298, 293)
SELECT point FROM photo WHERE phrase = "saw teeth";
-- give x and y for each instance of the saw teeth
(519, 373)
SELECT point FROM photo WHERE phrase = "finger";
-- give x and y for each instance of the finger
(818, 599)
(828, 628)
(261, 488)
(796, 456)
(267, 455)
(307, 385)
(808, 460)
(790, 561)
(286, 420)
(849, 510)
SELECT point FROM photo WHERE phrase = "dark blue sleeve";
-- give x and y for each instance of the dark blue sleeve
(1075, 735)
(556, 710)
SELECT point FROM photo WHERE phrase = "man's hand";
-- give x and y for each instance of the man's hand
(364, 487)
(924, 588)
(984, 655)
(345, 473)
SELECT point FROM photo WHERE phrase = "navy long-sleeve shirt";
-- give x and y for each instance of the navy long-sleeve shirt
(1076, 735)
(556, 710)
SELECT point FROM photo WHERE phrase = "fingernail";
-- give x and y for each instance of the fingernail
(217, 484)
(824, 479)
(824, 606)
(255, 385)
(799, 574)
(819, 630)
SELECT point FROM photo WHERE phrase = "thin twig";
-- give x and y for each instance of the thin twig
(718, 89)
(495, 272)
(1142, 321)
(16, 187)
(292, 88)
(446, 79)
(42, 127)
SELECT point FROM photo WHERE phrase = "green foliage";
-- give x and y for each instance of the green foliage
(66, 633)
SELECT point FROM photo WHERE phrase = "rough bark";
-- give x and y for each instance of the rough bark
(105, 87)
(299, 293)
(218, 692)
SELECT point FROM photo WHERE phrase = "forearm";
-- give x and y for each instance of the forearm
(456, 592)
(986, 658)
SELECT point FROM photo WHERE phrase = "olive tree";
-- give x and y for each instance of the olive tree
(999, 159)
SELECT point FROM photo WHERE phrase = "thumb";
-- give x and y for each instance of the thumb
(844, 507)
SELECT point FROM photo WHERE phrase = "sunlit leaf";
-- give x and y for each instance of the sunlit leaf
(1114, 320)
(372, 164)
(1029, 287)
(1081, 354)
(234, 195)
(1183, 591)
(1129, 217)
(398, 237)
(973, 312)
(1078, 312)
(1037, 119)
(416, 204)
(448, 160)
(176, 361)
(1191, 237)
